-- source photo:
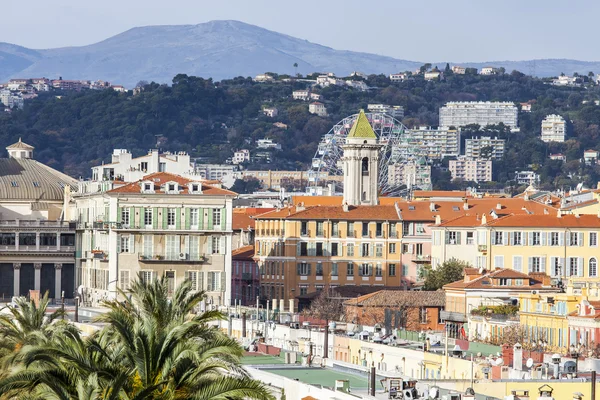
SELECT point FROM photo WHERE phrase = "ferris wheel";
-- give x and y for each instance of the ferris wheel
(391, 134)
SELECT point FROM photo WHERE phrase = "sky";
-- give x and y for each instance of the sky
(417, 30)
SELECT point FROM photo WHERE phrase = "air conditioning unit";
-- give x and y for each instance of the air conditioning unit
(182, 256)
(534, 292)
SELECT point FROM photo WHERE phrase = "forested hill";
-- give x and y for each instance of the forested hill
(212, 119)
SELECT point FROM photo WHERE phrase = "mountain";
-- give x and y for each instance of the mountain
(217, 49)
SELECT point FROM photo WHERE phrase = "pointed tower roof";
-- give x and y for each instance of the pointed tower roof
(362, 128)
(20, 145)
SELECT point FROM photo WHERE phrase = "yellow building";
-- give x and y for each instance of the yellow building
(544, 317)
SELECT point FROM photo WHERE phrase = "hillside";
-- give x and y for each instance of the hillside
(212, 119)
(218, 50)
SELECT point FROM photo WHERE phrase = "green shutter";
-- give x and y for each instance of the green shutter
(141, 215)
(187, 218)
(223, 217)
(155, 218)
(164, 218)
(177, 218)
(119, 211)
(210, 219)
(106, 213)
(201, 218)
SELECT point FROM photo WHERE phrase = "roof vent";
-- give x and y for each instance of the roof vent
(345, 207)
(432, 206)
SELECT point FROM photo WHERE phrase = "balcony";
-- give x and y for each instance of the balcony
(183, 258)
(247, 276)
(482, 248)
(36, 223)
(452, 316)
(33, 249)
(421, 258)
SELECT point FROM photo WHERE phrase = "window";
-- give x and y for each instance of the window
(404, 269)
(350, 250)
(173, 247)
(171, 187)
(365, 166)
(334, 249)
(574, 239)
(194, 248)
(46, 239)
(498, 236)
(147, 187)
(216, 245)
(503, 282)
(319, 249)
(593, 239)
(125, 216)
(556, 265)
(214, 281)
(378, 271)
(335, 229)
(194, 217)
(162, 167)
(303, 269)
(125, 244)
(192, 276)
(148, 216)
(334, 269)
(124, 279)
(319, 269)
(146, 276)
(350, 229)
(171, 217)
(554, 239)
(36, 184)
(365, 269)
(350, 269)
(392, 229)
(148, 246)
(470, 238)
(593, 267)
(420, 228)
(320, 228)
(304, 228)
(536, 239)
(392, 248)
(419, 248)
(216, 214)
(303, 249)
(392, 269)
(535, 264)
(379, 229)
(573, 270)
(423, 315)
(144, 166)
(195, 187)
(303, 289)
(517, 239)
(498, 261)
(14, 184)
(170, 276)
(452, 237)
(365, 229)
(379, 250)
(365, 249)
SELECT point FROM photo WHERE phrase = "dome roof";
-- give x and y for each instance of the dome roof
(27, 179)
(20, 146)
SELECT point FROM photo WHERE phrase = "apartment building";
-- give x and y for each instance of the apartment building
(215, 172)
(393, 111)
(490, 71)
(163, 224)
(527, 178)
(485, 147)
(472, 170)
(37, 241)
(317, 108)
(591, 157)
(245, 277)
(124, 167)
(273, 179)
(428, 142)
(241, 156)
(553, 128)
(458, 70)
(399, 77)
(457, 114)
(412, 174)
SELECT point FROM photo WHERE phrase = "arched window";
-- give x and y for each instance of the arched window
(365, 166)
(593, 267)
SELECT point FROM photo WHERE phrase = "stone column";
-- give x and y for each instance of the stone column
(37, 241)
(57, 241)
(37, 282)
(57, 280)
(16, 279)
(17, 241)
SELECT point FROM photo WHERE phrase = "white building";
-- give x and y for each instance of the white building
(317, 108)
(428, 142)
(360, 85)
(216, 172)
(315, 96)
(162, 225)
(590, 157)
(241, 156)
(471, 170)
(301, 94)
(270, 112)
(527, 178)
(399, 77)
(11, 99)
(433, 75)
(553, 128)
(493, 148)
(564, 80)
(393, 111)
(489, 71)
(458, 70)
(267, 144)
(264, 78)
(329, 80)
(558, 156)
(123, 167)
(413, 174)
(459, 114)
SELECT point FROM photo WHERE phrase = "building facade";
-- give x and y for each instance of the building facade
(485, 148)
(457, 114)
(393, 111)
(245, 277)
(554, 128)
(317, 108)
(37, 241)
(412, 174)
(471, 170)
(432, 143)
(163, 225)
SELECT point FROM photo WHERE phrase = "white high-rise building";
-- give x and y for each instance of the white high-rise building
(553, 128)
(460, 113)
(432, 143)
(393, 111)
(485, 147)
(413, 174)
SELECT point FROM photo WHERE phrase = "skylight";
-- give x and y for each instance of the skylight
(36, 184)
(14, 184)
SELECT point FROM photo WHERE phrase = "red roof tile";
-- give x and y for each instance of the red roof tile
(243, 218)
(160, 178)
(243, 253)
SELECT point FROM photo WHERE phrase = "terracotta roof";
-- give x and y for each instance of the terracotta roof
(362, 128)
(243, 218)
(160, 178)
(486, 281)
(337, 200)
(547, 221)
(580, 204)
(351, 292)
(243, 253)
(440, 193)
(392, 298)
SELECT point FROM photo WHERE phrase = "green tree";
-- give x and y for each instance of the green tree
(296, 68)
(448, 272)
(248, 184)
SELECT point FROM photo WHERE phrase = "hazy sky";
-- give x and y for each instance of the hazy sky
(419, 30)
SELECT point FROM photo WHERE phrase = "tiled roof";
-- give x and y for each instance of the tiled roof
(439, 193)
(362, 128)
(243, 253)
(243, 218)
(392, 298)
(27, 179)
(160, 178)
(486, 281)
(580, 204)
(351, 292)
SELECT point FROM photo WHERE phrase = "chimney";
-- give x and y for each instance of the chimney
(438, 219)
(432, 206)
(465, 204)
(498, 206)
(483, 219)
(558, 214)
(598, 185)
(345, 207)
(546, 211)
(577, 214)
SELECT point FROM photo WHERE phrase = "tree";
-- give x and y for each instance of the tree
(327, 308)
(296, 68)
(152, 347)
(448, 272)
(249, 184)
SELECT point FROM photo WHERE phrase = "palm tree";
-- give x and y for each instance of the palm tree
(153, 347)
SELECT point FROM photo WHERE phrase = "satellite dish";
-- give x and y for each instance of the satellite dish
(499, 362)
(529, 363)
(434, 392)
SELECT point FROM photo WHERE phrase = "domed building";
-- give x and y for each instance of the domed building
(37, 245)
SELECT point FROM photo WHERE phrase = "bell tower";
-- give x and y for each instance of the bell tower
(361, 164)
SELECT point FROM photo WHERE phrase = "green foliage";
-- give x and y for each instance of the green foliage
(504, 309)
(247, 185)
(448, 272)
(153, 346)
